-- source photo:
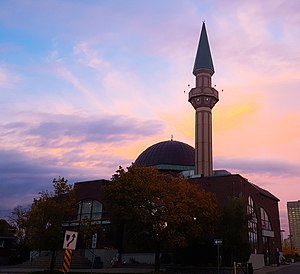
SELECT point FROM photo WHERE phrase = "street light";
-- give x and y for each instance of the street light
(290, 237)
(281, 236)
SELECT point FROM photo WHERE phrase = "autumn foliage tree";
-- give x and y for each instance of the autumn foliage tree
(289, 251)
(160, 209)
(46, 215)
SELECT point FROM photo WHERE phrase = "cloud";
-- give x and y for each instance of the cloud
(58, 129)
(22, 177)
(258, 166)
(42, 146)
(7, 78)
(89, 55)
(3, 77)
(240, 111)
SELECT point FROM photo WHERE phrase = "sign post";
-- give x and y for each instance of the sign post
(69, 245)
(218, 242)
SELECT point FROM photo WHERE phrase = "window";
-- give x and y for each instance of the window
(252, 223)
(265, 220)
(89, 210)
(97, 211)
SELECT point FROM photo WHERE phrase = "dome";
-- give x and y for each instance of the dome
(168, 155)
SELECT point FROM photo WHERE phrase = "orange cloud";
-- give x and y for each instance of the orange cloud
(234, 116)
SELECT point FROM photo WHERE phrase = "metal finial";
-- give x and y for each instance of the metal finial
(171, 137)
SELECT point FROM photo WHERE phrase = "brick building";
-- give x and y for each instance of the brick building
(7, 241)
(263, 225)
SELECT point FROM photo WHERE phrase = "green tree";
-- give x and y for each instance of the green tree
(234, 228)
(85, 232)
(160, 209)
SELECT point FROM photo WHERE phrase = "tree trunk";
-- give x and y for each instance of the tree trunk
(120, 249)
(52, 264)
(157, 255)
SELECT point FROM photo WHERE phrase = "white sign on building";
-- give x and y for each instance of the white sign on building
(94, 240)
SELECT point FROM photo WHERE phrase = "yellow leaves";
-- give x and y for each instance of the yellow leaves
(289, 250)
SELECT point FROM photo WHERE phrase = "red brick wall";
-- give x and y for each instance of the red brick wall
(226, 187)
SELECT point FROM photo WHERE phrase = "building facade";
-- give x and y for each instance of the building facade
(7, 242)
(90, 210)
(262, 209)
(294, 224)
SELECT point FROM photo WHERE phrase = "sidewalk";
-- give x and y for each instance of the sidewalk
(271, 269)
(15, 270)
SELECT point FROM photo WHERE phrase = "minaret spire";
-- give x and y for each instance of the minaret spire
(203, 98)
(203, 60)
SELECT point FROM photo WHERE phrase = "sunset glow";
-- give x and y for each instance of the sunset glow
(86, 86)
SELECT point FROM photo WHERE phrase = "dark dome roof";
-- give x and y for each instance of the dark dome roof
(167, 153)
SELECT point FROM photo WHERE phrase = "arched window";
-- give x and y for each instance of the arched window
(252, 223)
(265, 220)
(89, 210)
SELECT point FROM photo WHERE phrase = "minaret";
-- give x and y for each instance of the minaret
(203, 98)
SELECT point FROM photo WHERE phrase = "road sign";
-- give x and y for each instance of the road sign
(70, 240)
(218, 242)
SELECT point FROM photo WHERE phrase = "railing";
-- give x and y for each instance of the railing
(245, 267)
(93, 260)
(34, 254)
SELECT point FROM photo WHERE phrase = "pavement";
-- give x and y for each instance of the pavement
(271, 269)
(15, 270)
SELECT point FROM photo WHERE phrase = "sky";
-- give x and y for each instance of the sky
(86, 86)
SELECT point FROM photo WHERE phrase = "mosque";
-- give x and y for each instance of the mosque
(197, 165)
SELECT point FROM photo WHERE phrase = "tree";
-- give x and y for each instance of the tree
(160, 209)
(86, 232)
(289, 251)
(46, 216)
(18, 219)
(234, 228)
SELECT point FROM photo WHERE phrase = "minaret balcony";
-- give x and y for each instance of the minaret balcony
(203, 97)
(207, 91)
